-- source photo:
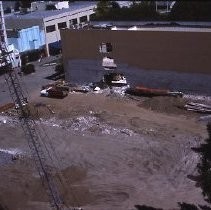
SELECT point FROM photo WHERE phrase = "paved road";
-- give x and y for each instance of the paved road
(31, 83)
(189, 83)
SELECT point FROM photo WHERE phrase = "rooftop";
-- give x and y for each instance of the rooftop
(49, 13)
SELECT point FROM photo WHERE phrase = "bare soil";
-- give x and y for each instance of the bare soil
(113, 153)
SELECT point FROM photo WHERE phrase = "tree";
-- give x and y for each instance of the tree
(50, 7)
(25, 3)
(191, 11)
(114, 5)
(144, 10)
(102, 9)
(17, 6)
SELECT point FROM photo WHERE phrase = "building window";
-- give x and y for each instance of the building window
(50, 28)
(73, 21)
(62, 25)
(105, 47)
(83, 19)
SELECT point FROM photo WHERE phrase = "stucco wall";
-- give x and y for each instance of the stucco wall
(174, 60)
(155, 50)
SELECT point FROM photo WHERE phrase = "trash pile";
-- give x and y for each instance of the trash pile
(111, 83)
(88, 125)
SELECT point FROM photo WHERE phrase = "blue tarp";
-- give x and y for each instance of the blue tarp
(28, 39)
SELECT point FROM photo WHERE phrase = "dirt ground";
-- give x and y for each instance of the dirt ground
(113, 152)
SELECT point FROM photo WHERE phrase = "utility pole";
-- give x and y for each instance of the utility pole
(39, 151)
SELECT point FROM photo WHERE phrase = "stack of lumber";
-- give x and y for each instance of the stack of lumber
(197, 107)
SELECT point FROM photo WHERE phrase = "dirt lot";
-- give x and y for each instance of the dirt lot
(114, 153)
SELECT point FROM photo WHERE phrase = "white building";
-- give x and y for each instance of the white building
(51, 21)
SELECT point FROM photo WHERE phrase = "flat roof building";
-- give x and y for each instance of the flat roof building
(51, 21)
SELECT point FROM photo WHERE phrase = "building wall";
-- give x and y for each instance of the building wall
(173, 60)
(155, 50)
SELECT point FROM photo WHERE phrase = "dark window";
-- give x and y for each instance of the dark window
(62, 25)
(83, 19)
(109, 47)
(50, 28)
(73, 21)
(7, 10)
(106, 47)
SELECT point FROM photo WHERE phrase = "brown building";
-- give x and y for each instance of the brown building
(159, 57)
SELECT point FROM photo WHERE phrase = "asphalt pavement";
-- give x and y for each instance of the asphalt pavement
(31, 83)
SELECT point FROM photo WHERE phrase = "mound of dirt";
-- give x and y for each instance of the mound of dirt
(169, 105)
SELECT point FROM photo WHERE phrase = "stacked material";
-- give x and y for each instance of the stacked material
(197, 107)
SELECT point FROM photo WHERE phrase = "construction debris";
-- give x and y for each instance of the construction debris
(50, 64)
(197, 107)
(49, 108)
(115, 79)
(81, 89)
(58, 89)
(118, 91)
